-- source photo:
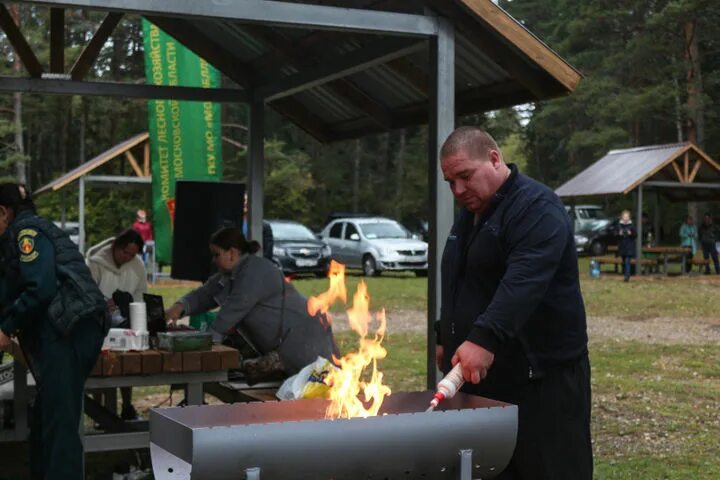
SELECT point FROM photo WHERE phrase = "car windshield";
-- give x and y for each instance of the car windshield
(291, 231)
(383, 230)
(594, 214)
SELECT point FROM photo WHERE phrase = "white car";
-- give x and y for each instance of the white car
(376, 245)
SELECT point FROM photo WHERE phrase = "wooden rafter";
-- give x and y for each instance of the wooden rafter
(686, 166)
(531, 78)
(146, 159)
(343, 88)
(679, 174)
(694, 171)
(18, 42)
(57, 40)
(133, 163)
(707, 159)
(91, 51)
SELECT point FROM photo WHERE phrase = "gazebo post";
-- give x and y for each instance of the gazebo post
(442, 123)
(256, 169)
(638, 239)
(656, 217)
(81, 214)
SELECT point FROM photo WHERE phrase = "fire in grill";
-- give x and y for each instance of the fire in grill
(471, 437)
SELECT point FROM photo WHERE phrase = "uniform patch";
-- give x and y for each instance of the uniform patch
(26, 243)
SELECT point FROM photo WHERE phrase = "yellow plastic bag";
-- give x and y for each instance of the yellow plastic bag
(308, 382)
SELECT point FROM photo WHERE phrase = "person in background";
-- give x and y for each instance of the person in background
(267, 233)
(257, 303)
(708, 237)
(117, 268)
(688, 238)
(51, 304)
(626, 242)
(144, 228)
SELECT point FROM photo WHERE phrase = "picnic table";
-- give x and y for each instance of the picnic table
(189, 370)
(656, 256)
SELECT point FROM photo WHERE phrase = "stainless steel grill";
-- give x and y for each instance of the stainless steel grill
(470, 437)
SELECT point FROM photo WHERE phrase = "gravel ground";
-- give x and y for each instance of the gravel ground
(659, 330)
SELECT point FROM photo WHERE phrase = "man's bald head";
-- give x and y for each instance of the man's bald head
(472, 141)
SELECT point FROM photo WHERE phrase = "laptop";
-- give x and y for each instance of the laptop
(155, 313)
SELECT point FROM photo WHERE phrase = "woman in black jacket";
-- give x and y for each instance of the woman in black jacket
(626, 243)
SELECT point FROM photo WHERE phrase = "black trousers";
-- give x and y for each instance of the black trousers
(710, 251)
(61, 365)
(553, 440)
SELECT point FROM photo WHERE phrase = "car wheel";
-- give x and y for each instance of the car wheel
(369, 266)
(597, 248)
(421, 273)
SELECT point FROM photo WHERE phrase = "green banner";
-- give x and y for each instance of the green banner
(184, 136)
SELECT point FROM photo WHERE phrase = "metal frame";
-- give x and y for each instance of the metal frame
(438, 30)
(268, 12)
(441, 124)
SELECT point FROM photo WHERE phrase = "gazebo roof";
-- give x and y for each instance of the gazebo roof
(340, 84)
(681, 170)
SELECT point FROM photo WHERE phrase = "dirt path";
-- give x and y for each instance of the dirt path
(658, 330)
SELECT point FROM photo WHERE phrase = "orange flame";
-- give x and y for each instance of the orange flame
(346, 383)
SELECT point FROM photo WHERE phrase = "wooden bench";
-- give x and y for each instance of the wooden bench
(617, 261)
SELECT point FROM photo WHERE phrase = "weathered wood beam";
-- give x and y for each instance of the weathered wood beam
(91, 51)
(686, 166)
(133, 163)
(146, 159)
(679, 174)
(534, 79)
(57, 40)
(19, 44)
(694, 171)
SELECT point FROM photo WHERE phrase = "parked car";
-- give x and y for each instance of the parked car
(587, 218)
(375, 244)
(71, 228)
(297, 250)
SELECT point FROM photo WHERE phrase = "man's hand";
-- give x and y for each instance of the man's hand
(475, 360)
(439, 356)
(174, 312)
(5, 341)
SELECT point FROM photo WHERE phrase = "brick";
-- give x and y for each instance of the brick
(131, 363)
(211, 361)
(192, 361)
(152, 362)
(171, 362)
(111, 364)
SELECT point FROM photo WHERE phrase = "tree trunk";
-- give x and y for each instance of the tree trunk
(399, 175)
(695, 121)
(20, 170)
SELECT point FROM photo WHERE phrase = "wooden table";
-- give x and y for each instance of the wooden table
(665, 255)
(129, 369)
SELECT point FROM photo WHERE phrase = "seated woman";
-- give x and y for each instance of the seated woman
(256, 301)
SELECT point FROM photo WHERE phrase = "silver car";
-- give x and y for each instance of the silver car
(375, 244)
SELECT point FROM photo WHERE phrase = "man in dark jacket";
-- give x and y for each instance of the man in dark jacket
(708, 237)
(512, 312)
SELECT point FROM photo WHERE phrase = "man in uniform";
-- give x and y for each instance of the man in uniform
(53, 306)
(512, 313)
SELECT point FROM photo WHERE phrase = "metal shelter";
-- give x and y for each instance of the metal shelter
(338, 69)
(681, 172)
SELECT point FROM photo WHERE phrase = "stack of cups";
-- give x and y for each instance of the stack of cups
(138, 317)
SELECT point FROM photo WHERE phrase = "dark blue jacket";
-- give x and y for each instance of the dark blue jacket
(510, 284)
(626, 239)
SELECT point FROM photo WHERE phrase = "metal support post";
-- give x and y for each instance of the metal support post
(81, 215)
(441, 124)
(465, 465)
(256, 170)
(194, 393)
(639, 238)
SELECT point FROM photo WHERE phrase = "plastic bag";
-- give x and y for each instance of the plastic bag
(308, 382)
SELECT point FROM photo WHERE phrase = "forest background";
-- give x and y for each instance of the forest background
(652, 76)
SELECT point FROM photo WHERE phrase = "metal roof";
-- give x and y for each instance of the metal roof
(682, 166)
(498, 63)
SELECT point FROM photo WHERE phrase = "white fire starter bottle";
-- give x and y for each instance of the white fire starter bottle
(448, 386)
